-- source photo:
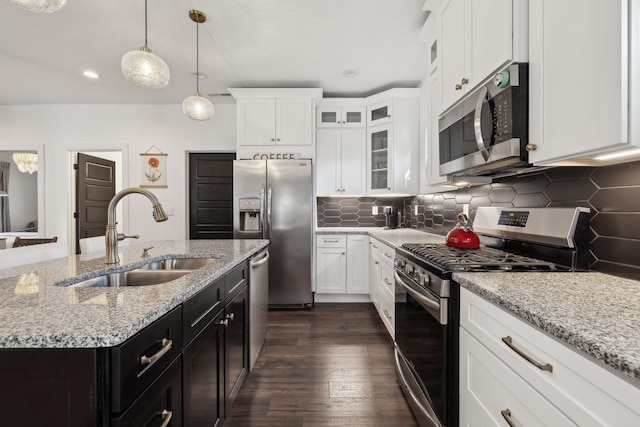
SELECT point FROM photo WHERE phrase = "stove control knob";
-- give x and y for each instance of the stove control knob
(399, 263)
(408, 269)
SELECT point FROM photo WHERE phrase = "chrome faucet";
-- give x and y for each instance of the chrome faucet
(111, 236)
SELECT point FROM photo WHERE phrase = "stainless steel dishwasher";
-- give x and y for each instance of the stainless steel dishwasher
(258, 303)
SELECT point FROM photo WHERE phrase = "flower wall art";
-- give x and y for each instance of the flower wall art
(153, 170)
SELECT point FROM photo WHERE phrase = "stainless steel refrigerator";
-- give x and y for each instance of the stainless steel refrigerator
(273, 199)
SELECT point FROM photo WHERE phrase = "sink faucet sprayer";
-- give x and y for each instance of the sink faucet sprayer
(111, 236)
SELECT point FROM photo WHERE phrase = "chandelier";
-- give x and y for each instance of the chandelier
(197, 107)
(40, 6)
(27, 162)
(142, 67)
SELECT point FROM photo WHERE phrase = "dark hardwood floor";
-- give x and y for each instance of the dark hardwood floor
(330, 366)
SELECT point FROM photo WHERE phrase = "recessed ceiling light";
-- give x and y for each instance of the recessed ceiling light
(199, 75)
(91, 74)
(350, 73)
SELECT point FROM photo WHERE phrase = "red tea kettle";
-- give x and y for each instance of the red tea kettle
(461, 236)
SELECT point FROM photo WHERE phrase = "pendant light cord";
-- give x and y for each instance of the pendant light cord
(197, 56)
(145, 23)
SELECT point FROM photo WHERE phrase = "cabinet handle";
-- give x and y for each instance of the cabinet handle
(343, 190)
(166, 418)
(387, 281)
(337, 190)
(531, 147)
(223, 322)
(509, 342)
(230, 316)
(506, 414)
(277, 139)
(342, 253)
(387, 255)
(464, 81)
(273, 139)
(150, 360)
(331, 241)
(389, 116)
(376, 262)
(374, 245)
(389, 188)
(458, 87)
(386, 313)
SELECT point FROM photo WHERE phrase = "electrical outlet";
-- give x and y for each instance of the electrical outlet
(415, 210)
(168, 211)
(465, 209)
(374, 210)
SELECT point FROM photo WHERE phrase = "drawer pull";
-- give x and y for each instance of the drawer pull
(230, 316)
(386, 313)
(331, 241)
(387, 255)
(387, 281)
(166, 418)
(223, 322)
(506, 414)
(509, 341)
(150, 360)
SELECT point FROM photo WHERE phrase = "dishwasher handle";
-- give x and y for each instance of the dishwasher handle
(264, 259)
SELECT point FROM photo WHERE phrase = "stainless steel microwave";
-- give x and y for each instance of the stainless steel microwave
(487, 132)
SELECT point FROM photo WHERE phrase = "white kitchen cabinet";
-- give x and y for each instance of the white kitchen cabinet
(275, 120)
(340, 161)
(557, 386)
(380, 113)
(342, 264)
(393, 144)
(383, 282)
(478, 37)
(341, 116)
(374, 271)
(584, 89)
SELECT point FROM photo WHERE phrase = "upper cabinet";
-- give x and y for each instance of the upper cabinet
(477, 37)
(585, 93)
(393, 142)
(275, 120)
(340, 117)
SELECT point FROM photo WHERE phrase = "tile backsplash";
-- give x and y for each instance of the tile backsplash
(611, 192)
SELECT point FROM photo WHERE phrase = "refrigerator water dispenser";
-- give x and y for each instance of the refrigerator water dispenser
(249, 211)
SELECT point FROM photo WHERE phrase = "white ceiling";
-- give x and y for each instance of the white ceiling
(244, 43)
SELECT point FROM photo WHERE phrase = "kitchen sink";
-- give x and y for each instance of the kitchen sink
(139, 277)
(180, 263)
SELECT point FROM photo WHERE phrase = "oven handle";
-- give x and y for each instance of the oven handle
(427, 410)
(477, 123)
(424, 300)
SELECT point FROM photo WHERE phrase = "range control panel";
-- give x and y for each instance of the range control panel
(513, 218)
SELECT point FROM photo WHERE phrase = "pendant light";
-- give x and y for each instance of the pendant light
(142, 67)
(26, 161)
(197, 107)
(39, 6)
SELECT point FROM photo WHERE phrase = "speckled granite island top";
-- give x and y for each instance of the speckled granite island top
(35, 312)
(595, 313)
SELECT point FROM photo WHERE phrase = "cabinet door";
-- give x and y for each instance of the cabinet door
(328, 117)
(433, 142)
(379, 159)
(452, 39)
(357, 264)
(587, 112)
(236, 345)
(353, 117)
(328, 162)
(294, 121)
(490, 41)
(380, 113)
(203, 371)
(353, 162)
(331, 270)
(256, 122)
(374, 271)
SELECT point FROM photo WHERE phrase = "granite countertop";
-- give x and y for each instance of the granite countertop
(35, 312)
(594, 313)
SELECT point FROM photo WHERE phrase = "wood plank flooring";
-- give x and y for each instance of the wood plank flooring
(330, 366)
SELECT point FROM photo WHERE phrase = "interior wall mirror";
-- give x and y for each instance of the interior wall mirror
(20, 213)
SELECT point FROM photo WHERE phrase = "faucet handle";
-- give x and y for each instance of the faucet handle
(122, 236)
(145, 252)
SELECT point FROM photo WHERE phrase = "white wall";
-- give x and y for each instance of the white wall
(135, 128)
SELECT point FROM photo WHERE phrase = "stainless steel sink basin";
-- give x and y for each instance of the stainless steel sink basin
(180, 263)
(132, 278)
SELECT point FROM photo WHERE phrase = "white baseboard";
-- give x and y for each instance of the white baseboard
(341, 297)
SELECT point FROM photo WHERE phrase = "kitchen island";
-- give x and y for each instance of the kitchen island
(128, 355)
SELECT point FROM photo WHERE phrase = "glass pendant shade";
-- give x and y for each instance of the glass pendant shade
(197, 107)
(143, 68)
(39, 6)
(27, 162)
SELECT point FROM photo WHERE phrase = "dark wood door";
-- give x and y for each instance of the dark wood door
(95, 187)
(211, 195)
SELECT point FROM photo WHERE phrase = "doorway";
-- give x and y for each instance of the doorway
(211, 195)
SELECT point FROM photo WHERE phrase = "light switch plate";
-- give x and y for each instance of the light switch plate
(374, 210)
(465, 209)
(168, 211)
(415, 210)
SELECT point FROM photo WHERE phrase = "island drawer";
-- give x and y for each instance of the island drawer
(235, 281)
(201, 308)
(140, 360)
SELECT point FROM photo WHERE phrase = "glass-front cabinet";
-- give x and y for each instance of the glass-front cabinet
(341, 117)
(379, 113)
(379, 158)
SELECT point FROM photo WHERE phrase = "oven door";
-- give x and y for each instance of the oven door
(422, 356)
